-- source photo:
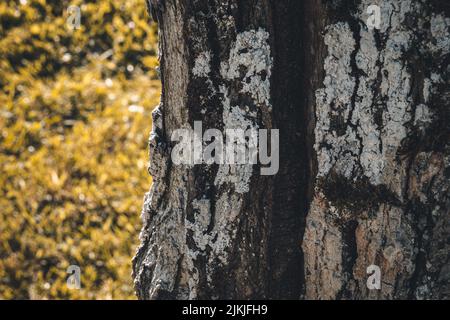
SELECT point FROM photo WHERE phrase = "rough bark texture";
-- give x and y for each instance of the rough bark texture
(381, 193)
(211, 231)
(364, 172)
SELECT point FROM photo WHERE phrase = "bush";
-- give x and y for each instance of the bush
(74, 118)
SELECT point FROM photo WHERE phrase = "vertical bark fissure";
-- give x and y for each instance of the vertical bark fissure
(290, 118)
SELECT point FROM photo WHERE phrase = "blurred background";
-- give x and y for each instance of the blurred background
(75, 115)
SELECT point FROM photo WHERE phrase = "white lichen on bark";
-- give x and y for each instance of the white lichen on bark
(228, 206)
(202, 66)
(173, 242)
(338, 90)
(251, 52)
(363, 145)
(364, 113)
(234, 117)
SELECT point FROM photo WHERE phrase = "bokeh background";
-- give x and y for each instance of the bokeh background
(75, 115)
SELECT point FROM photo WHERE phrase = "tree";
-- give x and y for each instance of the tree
(363, 117)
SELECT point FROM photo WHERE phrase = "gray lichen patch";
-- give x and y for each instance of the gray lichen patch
(236, 117)
(202, 65)
(334, 100)
(381, 95)
(439, 26)
(375, 82)
(250, 61)
(200, 224)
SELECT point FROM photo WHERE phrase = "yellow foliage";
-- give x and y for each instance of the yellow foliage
(75, 111)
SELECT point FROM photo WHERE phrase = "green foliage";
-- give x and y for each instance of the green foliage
(74, 120)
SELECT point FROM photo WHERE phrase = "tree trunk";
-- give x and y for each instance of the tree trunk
(364, 167)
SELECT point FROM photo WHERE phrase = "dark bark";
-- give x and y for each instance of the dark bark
(364, 157)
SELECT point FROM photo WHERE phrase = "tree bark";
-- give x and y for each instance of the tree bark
(364, 152)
